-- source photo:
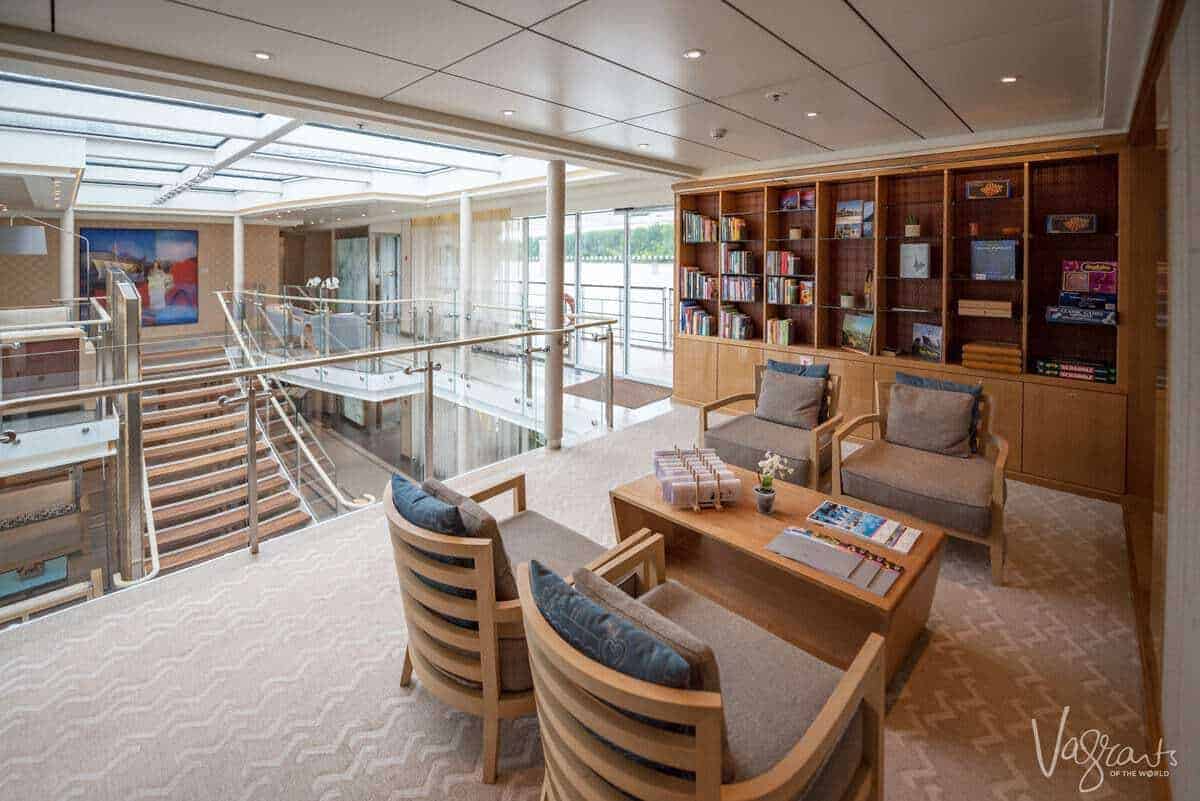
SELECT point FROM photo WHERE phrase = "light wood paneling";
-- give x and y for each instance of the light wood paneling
(1006, 399)
(735, 373)
(858, 389)
(1075, 436)
(695, 370)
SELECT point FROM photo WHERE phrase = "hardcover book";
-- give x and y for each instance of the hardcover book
(1070, 223)
(868, 222)
(989, 189)
(914, 260)
(848, 221)
(1088, 300)
(857, 330)
(927, 341)
(994, 259)
(1092, 277)
(1069, 314)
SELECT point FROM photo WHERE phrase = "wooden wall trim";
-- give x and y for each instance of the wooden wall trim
(1142, 121)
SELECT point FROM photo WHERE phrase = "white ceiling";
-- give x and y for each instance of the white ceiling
(879, 73)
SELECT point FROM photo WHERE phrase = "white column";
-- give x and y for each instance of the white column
(464, 275)
(239, 253)
(1181, 637)
(68, 281)
(556, 191)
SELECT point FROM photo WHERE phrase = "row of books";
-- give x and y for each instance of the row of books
(739, 289)
(696, 285)
(695, 319)
(789, 290)
(1079, 369)
(698, 228)
(739, 261)
(780, 332)
(734, 324)
(1000, 357)
(734, 229)
(783, 262)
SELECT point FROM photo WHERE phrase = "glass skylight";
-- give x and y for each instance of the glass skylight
(96, 90)
(231, 172)
(340, 158)
(106, 130)
(135, 164)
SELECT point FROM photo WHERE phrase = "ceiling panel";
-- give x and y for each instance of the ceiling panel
(25, 14)
(537, 66)
(651, 37)
(927, 24)
(844, 119)
(467, 98)
(893, 86)
(1059, 65)
(623, 136)
(13, 192)
(189, 33)
(742, 135)
(433, 33)
(523, 12)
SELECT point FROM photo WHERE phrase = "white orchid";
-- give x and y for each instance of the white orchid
(313, 282)
(772, 465)
(332, 283)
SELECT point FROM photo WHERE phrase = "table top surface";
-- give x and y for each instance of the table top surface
(743, 527)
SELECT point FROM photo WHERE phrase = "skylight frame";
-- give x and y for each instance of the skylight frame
(96, 129)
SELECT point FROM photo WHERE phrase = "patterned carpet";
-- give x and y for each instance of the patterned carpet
(278, 677)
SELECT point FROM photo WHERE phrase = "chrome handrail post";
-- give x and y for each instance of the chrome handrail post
(252, 464)
(427, 465)
(607, 382)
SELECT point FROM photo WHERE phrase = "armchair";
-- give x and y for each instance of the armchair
(965, 497)
(743, 440)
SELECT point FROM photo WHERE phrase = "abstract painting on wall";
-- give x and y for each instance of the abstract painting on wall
(163, 264)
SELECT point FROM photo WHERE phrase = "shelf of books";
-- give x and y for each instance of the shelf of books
(741, 232)
(846, 266)
(699, 260)
(790, 267)
(912, 225)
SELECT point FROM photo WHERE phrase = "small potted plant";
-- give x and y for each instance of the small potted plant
(771, 466)
(911, 226)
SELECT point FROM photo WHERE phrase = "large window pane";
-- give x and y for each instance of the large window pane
(651, 268)
(602, 282)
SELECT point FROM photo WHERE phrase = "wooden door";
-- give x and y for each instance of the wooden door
(1075, 435)
(695, 370)
(735, 374)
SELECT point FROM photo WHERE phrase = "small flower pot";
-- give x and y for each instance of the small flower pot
(765, 499)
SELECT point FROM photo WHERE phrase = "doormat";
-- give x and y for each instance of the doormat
(626, 393)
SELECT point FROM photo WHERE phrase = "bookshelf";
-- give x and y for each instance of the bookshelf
(742, 242)
(1071, 178)
(698, 256)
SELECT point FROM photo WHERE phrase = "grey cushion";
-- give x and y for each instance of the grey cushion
(529, 535)
(810, 370)
(476, 522)
(930, 420)
(974, 390)
(771, 690)
(792, 400)
(744, 440)
(695, 651)
(946, 490)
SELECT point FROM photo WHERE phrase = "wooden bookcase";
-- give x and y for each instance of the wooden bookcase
(1072, 179)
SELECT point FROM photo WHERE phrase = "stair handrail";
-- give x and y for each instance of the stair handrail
(337, 493)
(151, 534)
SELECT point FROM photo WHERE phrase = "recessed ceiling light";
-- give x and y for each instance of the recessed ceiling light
(262, 55)
(1009, 79)
(337, 219)
(693, 54)
(508, 112)
(644, 146)
(811, 114)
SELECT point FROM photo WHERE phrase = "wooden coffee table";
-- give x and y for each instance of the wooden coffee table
(723, 555)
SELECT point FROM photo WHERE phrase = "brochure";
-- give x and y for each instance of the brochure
(840, 559)
(876, 528)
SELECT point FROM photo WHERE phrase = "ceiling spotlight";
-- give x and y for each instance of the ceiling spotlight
(508, 112)
(262, 55)
(337, 219)
(1009, 79)
(644, 146)
(811, 114)
(693, 54)
(364, 214)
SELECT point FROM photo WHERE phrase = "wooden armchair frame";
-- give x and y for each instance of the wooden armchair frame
(579, 698)
(993, 447)
(474, 655)
(821, 437)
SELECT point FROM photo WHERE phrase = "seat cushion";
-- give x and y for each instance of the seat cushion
(771, 690)
(946, 490)
(529, 535)
(930, 419)
(790, 400)
(745, 439)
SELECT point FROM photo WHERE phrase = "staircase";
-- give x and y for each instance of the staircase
(196, 460)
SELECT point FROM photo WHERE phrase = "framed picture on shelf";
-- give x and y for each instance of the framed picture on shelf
(927, 341)
(848, 221)
(914, 260)
(868, 221)
(857, 331)
(1071, 223)
(989, 189)
(994, 260)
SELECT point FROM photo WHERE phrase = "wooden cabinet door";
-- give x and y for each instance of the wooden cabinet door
(695, 370)
(1075, 435)
(735, 373)
(858, 390)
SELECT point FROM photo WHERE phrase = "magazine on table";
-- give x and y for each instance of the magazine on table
(836, 558)
(873, 527)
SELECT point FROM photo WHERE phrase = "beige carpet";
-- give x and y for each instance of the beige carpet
(627, 393)
(277, 677)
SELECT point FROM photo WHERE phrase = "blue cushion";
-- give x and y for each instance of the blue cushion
(807, 370)
(606, 637)
(422, 509)
(925, 382)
